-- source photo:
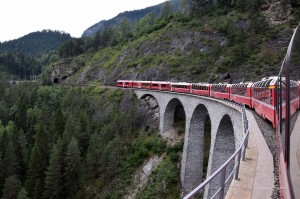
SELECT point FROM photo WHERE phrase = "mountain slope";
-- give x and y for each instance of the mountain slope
(36, 43)
(132, 16)
(214, 48)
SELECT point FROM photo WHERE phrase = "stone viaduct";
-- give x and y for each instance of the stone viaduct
(226, 131)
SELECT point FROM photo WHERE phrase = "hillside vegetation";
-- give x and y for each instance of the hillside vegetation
(219, 44)
(63, 142)
(36, 44)
(131, 16)
(25, 57)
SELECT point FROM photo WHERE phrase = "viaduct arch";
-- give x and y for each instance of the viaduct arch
(226, 131)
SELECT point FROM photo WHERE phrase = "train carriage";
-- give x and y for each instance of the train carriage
(125, 83)
(181, 87)
(220, 91)
(200, 89)
(159, 85)
(264, 99)
(294, 97)
(241, 93)
(142, 84)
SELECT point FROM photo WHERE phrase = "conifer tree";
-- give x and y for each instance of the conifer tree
(22, 141)
(93, 156)
(4, 142)
(10, 161)
(53, 179)
(11, 188)
(22, 194)
(38, 190)
(167, 9)
(69, 131)
(35, 169)
(83, 134)
(59, 122)
(32, 118)
(72, 168)
(125, 28)
(2, 178)
(43, 140)
(97, 40)
(20, 144)
(199, 7)
(20, 117)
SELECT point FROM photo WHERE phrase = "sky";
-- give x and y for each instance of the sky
(21, 17)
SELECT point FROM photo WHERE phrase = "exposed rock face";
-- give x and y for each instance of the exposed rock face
(172, 137)
(141, 176)
(58, 74)
(149, 108)
(277, 13)
(55, 76)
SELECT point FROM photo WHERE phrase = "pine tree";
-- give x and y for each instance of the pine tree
(59, 122)
(2, 177)
(53, 180)
(199, 7)
(167, 9)
(38, 190)
(35, 169)
(72, 168)
(20, 145)
(23, 145)
(11, 187)
(4, 142)
(43, 140)
(93, 156)
(10, 161)
(83, 134)
(97, 40)
(20, 117)
(22, 194)
(32, 118)
(125, 28)
(69, 131)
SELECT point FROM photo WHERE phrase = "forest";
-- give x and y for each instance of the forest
(24, 58)
(78, 142)
(37, 43)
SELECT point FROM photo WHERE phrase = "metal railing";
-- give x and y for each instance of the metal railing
(237, 156)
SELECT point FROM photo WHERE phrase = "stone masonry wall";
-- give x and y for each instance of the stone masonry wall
(196, 108)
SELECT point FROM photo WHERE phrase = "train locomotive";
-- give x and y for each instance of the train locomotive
(262, 96)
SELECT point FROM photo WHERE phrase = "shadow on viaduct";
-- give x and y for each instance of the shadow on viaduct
(226, 132)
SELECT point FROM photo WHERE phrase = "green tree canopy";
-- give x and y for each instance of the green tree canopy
(53, 179)
(72, 163)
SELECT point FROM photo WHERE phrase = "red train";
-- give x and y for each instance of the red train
(260, 96)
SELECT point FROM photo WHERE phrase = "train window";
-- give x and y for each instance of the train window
(154, 84)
